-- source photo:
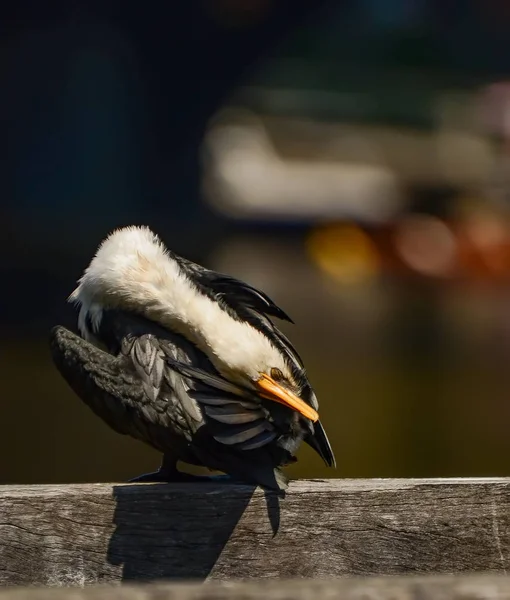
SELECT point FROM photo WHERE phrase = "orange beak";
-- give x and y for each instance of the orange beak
(269, 389)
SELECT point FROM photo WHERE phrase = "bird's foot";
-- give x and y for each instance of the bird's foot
(176, 476)
(155, 477)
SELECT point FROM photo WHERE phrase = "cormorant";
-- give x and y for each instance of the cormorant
(189, 361)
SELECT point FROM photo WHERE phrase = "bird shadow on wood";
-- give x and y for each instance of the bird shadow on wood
(177, 531)
(273, 510)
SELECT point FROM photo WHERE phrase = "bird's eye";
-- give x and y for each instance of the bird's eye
(276, 374)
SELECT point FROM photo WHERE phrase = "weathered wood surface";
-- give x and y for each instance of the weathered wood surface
(84, 534)
(463, 587)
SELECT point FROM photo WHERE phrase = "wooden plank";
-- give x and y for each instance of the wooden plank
(460, 587)
(84, 534)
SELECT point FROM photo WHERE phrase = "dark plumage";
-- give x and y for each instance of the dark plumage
(157, 386)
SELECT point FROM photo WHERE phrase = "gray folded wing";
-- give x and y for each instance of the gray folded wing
(138, 393)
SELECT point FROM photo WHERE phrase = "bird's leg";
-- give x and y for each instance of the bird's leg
(169, 473)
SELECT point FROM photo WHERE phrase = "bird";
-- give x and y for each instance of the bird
(189, 361)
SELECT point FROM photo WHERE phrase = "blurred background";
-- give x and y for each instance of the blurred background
(349, 157)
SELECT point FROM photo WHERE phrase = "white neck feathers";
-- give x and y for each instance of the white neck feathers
(133, 271)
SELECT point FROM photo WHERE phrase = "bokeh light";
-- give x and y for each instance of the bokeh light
(344, 252)
(427, 245)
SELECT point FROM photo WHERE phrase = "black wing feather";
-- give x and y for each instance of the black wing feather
(234, 293)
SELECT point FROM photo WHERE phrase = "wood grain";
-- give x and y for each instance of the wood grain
(459, 587)
(85, 534)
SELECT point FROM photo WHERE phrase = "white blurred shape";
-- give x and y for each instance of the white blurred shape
(247, 178)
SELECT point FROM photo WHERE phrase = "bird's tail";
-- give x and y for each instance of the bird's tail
(318, 440)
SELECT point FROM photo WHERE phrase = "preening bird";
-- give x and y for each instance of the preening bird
(188, 361)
